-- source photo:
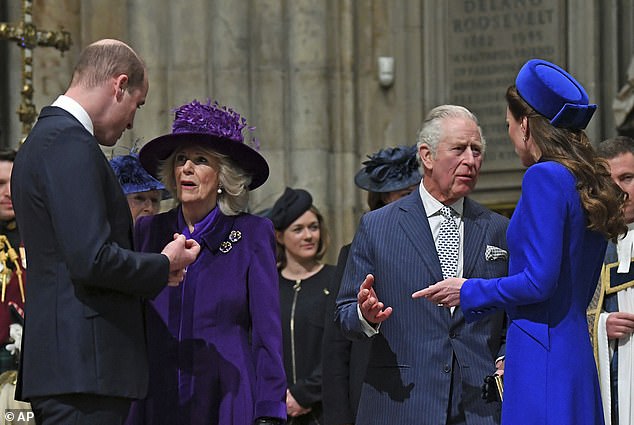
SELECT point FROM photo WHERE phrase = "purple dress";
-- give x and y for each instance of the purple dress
(214, 342)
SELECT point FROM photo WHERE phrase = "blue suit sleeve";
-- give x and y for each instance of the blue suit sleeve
(359, 265)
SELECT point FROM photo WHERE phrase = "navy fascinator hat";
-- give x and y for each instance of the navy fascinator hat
(212, 126)
(389, 170)
(132, 176)
(555, 94)
(288, 207)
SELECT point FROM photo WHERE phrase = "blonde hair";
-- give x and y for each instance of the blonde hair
(234, 181)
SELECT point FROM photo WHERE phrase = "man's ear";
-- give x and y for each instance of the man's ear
(121, 85)
(426, 156)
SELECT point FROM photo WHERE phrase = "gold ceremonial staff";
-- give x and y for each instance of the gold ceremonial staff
(8, 253)
(28, 37)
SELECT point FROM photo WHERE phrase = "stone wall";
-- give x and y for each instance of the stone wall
(304, 72)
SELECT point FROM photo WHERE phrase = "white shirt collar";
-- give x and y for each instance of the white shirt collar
(433, 206)
(73, 107)
(624, 250)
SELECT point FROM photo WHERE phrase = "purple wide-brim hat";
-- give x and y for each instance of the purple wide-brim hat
(212, 127)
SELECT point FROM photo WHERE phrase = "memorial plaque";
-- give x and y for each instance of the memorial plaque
(489, 40)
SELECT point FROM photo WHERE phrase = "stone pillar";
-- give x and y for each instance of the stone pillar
(53, 70)
(149, 37)
(269, 87)
(309, 93)
(343, 209)
(583, 57)
(101, 19)
(189, 46)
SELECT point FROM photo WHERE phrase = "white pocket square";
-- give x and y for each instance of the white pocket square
(494, 253)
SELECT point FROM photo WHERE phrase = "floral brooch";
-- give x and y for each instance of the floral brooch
(234, 236)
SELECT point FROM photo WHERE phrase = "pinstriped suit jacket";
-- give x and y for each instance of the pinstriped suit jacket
(409, 373)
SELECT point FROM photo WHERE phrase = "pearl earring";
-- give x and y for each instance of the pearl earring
(219, 190)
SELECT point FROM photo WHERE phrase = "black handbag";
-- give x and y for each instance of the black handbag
(493, 388)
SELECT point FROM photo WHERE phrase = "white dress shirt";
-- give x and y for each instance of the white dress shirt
(432, 209)
(73, 107)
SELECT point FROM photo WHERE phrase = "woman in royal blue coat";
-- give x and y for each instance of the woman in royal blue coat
(556, 239)
(215, 341)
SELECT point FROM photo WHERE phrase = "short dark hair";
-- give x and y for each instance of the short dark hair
(106, 59)
(615, 146)
(7, 155)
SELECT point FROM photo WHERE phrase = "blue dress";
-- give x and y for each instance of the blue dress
(550, 374)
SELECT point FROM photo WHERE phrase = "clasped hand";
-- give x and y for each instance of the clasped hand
(181, 252)
(445, 293)
(619, 324)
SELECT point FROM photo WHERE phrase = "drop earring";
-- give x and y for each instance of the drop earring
(219, 190)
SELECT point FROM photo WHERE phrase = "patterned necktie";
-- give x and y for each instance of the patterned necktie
(448, 244)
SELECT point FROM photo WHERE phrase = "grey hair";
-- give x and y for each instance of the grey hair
(430, 133)
(234, 181)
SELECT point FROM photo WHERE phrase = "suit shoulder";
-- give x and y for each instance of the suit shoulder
(548, 170)
(64, 140)
(158, 220)
(254, 223)
(485, 213)
(55, 121)
(155, 231)
(386, 212)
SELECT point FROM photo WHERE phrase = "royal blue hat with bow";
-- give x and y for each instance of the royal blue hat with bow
(555, 94)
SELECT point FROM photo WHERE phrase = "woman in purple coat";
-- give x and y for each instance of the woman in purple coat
(215, 341)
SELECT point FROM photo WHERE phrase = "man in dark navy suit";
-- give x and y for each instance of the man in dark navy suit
(387, 175)
(83, 351)
(426, 364)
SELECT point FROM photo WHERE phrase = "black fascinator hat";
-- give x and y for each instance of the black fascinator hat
(288, 207)
(389, 170)
(212, 126)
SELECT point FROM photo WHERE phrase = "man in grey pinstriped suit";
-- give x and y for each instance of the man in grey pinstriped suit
(426, 364)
